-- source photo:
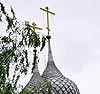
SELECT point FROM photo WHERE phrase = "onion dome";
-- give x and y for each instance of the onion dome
(60, 84)
(35, 80)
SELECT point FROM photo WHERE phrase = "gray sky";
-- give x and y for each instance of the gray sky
(75, 42)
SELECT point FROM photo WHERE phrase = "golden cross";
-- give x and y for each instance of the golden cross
(35, 27)
(47, 10)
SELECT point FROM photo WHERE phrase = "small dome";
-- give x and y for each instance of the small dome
(35, 80)
(60, 84)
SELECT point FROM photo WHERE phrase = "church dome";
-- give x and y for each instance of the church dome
(35, 80)
(60, 84)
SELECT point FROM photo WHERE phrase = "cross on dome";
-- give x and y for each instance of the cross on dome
(34, 26)
(48, 12)
(60, 84)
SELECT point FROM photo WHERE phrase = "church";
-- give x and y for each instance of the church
(60, 84)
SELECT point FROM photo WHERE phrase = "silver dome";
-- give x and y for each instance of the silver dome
(60, 84)
(35, 80)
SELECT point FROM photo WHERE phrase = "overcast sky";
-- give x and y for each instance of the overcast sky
(75, 42)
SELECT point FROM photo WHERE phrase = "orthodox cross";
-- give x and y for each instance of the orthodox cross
(35, 27)
(47, 10)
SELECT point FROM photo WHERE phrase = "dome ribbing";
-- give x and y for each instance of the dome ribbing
(60, 84)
